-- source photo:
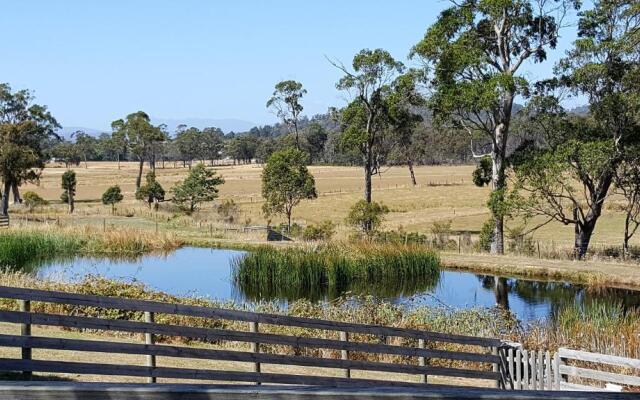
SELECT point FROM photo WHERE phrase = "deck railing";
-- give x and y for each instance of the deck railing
(485, 361)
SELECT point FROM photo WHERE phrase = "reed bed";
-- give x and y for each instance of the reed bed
(598, 327)
(27, 248)
(316, 273)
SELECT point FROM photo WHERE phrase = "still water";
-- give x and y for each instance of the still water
(208, 272)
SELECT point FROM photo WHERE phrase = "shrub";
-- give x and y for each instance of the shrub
(486, 235)
(323, 231)
(112, 196)
(441, 231)
(367, 216)
(32, 200)
(228, 210)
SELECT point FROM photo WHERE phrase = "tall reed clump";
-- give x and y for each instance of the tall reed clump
(598, 327)
(315, 273)
(27, 248)
(24, 248)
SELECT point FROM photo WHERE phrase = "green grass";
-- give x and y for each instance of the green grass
(25, 249)
(330, 271)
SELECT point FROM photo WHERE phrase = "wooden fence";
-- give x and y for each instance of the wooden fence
(569, 370)
(487, 361)
(4, 221)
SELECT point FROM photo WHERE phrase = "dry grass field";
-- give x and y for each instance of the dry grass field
(443, 193)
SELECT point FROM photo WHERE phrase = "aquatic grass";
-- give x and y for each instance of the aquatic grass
(600, 327)
(25, 249)
(384, 270)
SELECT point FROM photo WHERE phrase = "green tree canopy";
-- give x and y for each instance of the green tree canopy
(201, 185)
(365, 120)
(286, 102)
(473, 55)
(286, 181)
(24, 128)
(152, 192)
(140, 136)
(68, 185)
(112, 196)
(367, 216)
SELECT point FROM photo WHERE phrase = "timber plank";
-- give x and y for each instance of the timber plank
(230, 335)
(210, 312)
(229, 355)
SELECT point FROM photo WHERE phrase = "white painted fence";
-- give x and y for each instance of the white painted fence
(568, 369)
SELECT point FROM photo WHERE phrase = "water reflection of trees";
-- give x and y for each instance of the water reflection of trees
(390, 288)
(558, 295)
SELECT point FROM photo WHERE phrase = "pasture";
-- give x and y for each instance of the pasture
(443, 193)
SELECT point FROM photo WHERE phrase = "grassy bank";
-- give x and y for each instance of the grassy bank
(317, 272)
(26, 248)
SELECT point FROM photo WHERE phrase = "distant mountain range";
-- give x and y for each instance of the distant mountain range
(226, 124)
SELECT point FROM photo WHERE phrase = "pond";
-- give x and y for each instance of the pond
(208, 272)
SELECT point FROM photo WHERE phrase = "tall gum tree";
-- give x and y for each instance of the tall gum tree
(140, 135)
(285, 100)
(24, 128)
(604, 67)
(366, 118)
(473, 56)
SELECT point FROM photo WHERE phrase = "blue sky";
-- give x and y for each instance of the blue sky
(95, 61)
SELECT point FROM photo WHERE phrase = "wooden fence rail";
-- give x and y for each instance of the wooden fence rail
(483, 355)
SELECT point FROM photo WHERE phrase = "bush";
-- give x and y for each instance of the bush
(400, 237)
(486, 235)
(228, 210)
(112, 196)
(441, 231)
(32, 200)
(367, 216)
(323, 231)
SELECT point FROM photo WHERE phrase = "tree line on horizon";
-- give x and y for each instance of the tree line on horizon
(465, 97)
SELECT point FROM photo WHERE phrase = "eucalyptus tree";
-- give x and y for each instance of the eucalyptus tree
(405, 121)
(473, 57)
(364, 121)
(286, 181)
(140, 135)
(68, 185)
(285, 100)
(627, 184)
(604, 67)
(24, 129)
(85, 144)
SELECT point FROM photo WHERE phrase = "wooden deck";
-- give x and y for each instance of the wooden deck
(99, 391)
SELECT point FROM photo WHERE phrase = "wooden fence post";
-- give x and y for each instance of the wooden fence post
(344, 336)
(548, 370)
(255, 347)
(148, 339)
(518, 383)
(496, 368)
(525, 360)
(25, 330)
(422, 361)
(510, 359)
(534, 371)
(540, 370)
(556, 371)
